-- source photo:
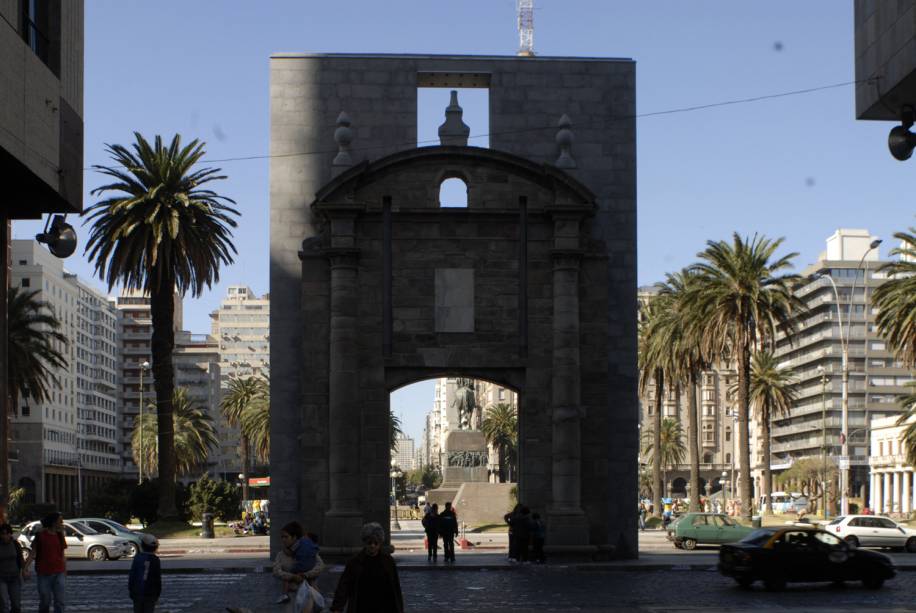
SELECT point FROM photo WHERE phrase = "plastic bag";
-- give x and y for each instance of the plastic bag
(308, 599)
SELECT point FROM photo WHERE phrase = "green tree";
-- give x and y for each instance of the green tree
(256, 424)
(772, 396)
(670, 443)
(221, 498)
(193, 439)
(394, 430)
(500, 427)
(243, 396)
(36, 347)
(908, 419)
(896, 299)
(743, 299)
(161, 231)
(430, 478)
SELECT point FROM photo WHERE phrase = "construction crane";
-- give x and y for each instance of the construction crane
(526, 28)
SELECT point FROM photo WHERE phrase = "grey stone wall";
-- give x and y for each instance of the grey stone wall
(885, 50)
(527, 97)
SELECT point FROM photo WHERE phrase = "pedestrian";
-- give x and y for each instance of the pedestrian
(303, 554)
(11, 569)
(538, 534)
(47, 551)
(427, 508)
(448, 529)
(509, 518)
(145, 580)
(523, 534)
(642, 516)
(431, 528)
(369, 583)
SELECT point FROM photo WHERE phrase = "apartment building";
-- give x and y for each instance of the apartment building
(67, 446)
(404, 454)
(196, 362)
(837, 292)
(241, 327)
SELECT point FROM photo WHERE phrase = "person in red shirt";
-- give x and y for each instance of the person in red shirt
(50, 565)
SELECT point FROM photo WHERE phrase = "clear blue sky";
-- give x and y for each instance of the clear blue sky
(797, 167)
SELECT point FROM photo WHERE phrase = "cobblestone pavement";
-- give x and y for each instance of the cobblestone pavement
(527, 588)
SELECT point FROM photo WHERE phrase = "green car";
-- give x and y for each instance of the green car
(695, 529)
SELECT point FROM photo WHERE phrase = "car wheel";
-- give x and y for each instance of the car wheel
(132, 550)
(775, 583)
(911, 544)
(873, 583)
(745, 581)
(689, 544)
(852, 541)
(98, 553)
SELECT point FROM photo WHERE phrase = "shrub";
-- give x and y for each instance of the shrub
(143, 502)
(110, 500)
(25, 513)
(221, 498)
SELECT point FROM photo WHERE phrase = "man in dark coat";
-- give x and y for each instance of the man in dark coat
(369, 583)
(431, 528)
(448, 529)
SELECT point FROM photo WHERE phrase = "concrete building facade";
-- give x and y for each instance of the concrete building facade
(66, 447)
(892, 490)
(196, 360)
(531, 286)
(404, 453)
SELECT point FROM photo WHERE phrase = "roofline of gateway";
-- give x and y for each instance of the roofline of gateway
(395, 56)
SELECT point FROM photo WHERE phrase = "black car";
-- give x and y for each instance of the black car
(781, 555)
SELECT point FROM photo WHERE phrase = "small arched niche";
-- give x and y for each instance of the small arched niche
(453, 193)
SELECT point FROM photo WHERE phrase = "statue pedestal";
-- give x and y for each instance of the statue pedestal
(464, 460)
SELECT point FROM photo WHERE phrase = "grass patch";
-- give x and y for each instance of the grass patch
(489, 528)
(180, 529)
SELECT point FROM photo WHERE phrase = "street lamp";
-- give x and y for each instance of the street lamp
(844, 346)
(143, 367)
(724, 481)
(824, 378)
(395, 474)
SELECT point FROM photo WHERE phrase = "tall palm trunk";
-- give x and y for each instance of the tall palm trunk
(246, 461)
(657, 483)
(767, 484)
(162, 307)
(744, 393)
(693, 444)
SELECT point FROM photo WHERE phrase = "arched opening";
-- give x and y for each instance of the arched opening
(679, 486)
(454, 439)
(453, 193)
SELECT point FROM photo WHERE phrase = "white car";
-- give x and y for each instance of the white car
(873, 531)
(82, 542)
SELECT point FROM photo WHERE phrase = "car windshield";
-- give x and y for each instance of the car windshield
(83, 528)
(117, 526)
(758, 537)
(836, 520)
(725, 520)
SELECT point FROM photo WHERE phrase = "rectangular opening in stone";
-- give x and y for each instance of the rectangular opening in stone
(432, 100)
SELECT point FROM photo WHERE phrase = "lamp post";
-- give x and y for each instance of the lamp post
(724, 481)
(844, 346)
(823, 372)
(395, 474)
(143, 367)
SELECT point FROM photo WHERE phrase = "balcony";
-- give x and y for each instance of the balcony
(887, 461)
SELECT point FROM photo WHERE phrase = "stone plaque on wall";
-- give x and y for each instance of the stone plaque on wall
(454, 300)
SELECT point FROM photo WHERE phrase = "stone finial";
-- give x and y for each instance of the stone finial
(454, 131)
(343, 135)
(565, 139)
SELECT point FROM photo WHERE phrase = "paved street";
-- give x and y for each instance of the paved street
(526, 588)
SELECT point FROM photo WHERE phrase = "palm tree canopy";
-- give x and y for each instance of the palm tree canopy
(500, 425)
(654, 330)
(34, 338)
(194, 436)
(242, 393)
(395, 431)
(772, 388)
(160, 227)
(681, 326)
(673, 448)
(256, 426)
(896, 299)
(908, 419)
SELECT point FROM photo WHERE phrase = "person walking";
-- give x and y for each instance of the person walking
(369, 583)
(510, 518)
(11, 568)
(538, 534)
(642, 516)
(47, 551)
(448, 529)
(144, 583)
(431, 528)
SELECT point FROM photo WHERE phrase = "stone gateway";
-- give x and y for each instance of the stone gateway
(533, 285)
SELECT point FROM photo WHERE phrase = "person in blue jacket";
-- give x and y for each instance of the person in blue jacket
(145, 580)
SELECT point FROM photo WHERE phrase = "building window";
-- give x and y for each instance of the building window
(728, 458)
(26, 283)
(728, 435)
(880, 448)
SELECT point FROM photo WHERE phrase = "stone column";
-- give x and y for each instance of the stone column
(344, 518)
(567, 523)
(886, 493)
(895, 493)
(905, 493)
(872, 490)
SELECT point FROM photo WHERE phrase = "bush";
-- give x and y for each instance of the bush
(143, 502)
(111, 500)
(221, 498)
(26, 513)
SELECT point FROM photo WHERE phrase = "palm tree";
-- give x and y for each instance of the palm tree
(35, 346)
(742, 300)
(395, 431)
(908, 419)
(684, 340)
(243, 394)
(772, 395)
(671, 445)
(256, 425)
(500, 427)
(161, 231)
(896, 299)
(194, 437)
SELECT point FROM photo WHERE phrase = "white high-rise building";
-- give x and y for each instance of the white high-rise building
(404, 454)
(67, 446)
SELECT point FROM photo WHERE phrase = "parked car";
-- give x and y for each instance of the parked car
(82, 541)
(103, 525)
(873, 531)
(692, 529)
(781, 555)
(786, 502)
